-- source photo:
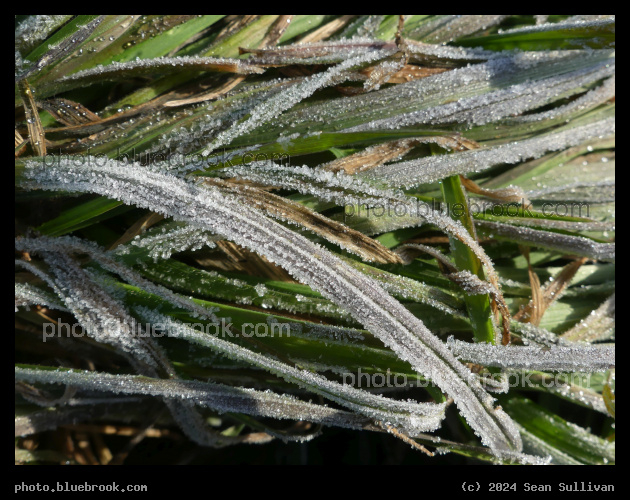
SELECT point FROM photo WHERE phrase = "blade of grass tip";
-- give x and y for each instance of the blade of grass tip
(608, 393)
(543, 297)
(533, 312)
(20, 144)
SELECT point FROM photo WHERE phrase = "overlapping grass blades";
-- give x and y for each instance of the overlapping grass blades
(307, 183)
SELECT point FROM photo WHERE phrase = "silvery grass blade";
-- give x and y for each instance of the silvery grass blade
(338, 51)
(589, 100)
(565, 358)
(446, 28)
(410, 417)
(430, 169)
(570, 388)
(63, 48)
(158, 65)
(363, 298)
(217, 397)
(319, 52)
(28, 295)
(72, 245)
(575, 32)
(437, 97)
(407, 416)
(98, 313)
(170, 238)
(274, 106)
(350, 190)
(108, 322)
(576, 245)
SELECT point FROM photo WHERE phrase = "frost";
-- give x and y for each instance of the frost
(442, 29)
(574, 23)
(433, 168)
(27, 295)
(35, 29)
(497, 89)
(564, 243)
(283, 101)
(310, 263)
(472, 284)
(157, 64)
(218, 397)
(323, 52)
(347, 190)
(426, 416)
(592, 98)
(531, 333)
(169, 239)
(598, 325)
(105, 319)
(566, 358)
(70, 245)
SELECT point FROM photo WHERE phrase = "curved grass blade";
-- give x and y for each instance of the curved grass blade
(369, 304)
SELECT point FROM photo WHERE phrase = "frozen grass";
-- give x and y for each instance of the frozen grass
(422, 200)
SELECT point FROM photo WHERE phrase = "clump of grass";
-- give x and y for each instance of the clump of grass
(427, 200)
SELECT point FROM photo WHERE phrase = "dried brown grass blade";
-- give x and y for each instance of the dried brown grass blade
(505, 195)
(207, 96)
(20, 144)
(276, 31)
(409, 73)
(68, 112)
(371, 157)
(375, 156)
(248, 262)
(543, 297)
(279, 207)
(139, 227)
(327, 30)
